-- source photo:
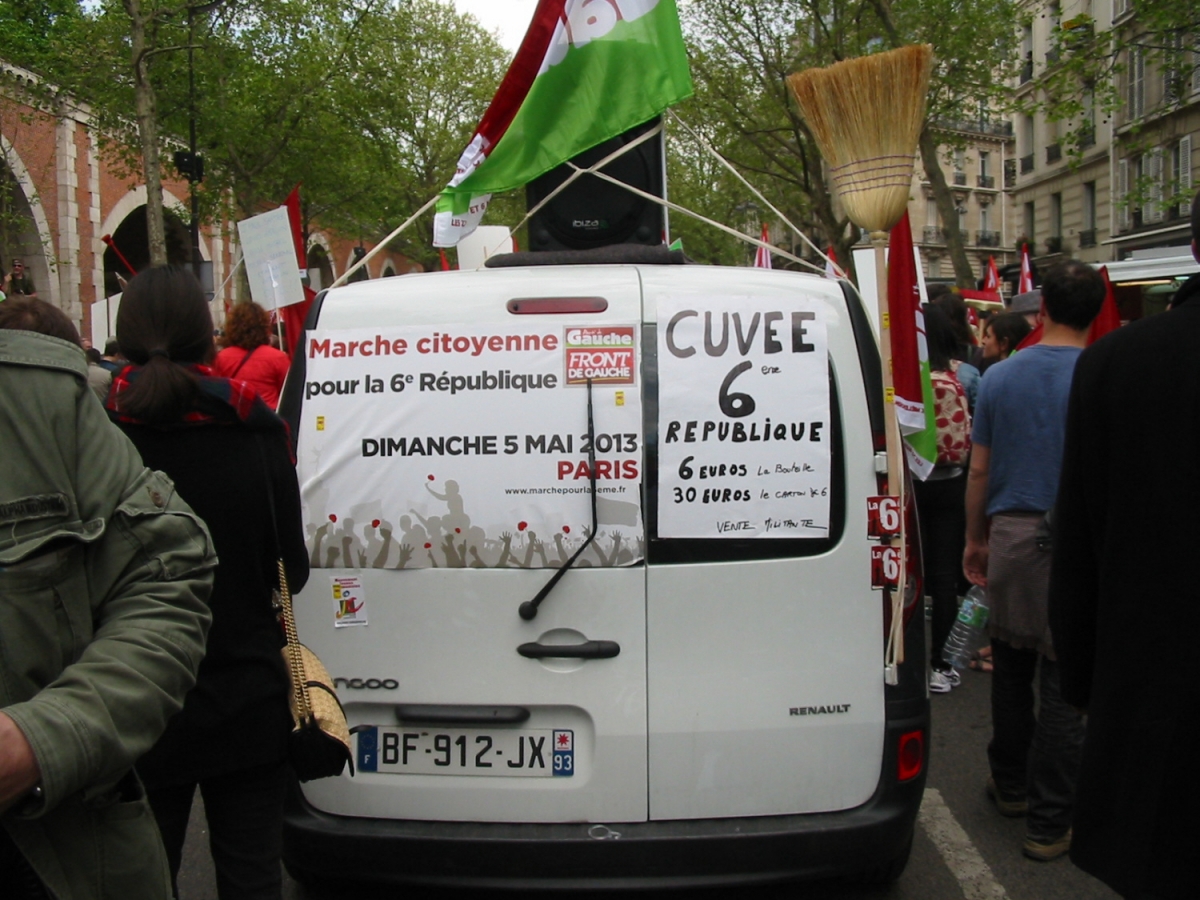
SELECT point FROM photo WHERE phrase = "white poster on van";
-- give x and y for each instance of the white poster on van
(467, 446)
(743, 418)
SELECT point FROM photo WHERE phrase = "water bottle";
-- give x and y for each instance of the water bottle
(967, 635)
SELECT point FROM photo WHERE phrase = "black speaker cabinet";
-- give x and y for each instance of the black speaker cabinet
(593, 213)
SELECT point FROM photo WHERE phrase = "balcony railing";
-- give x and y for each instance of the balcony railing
(960, 178)
(1027, 71)
(1053, 153)
(1087, 137)
(987, 238)
(977, 126)
(1087, 238)
(932, 234)
(985, 181)
(1026, 164)
(1051, 56)
(1010, 172)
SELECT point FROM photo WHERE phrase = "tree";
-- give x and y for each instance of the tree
(1089, 67)
(743, 51)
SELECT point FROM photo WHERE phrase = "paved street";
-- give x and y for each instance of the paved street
(963, 849)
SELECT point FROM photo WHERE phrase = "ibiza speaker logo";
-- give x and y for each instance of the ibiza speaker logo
(603, 353)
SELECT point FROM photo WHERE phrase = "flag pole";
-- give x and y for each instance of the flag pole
(374, 250)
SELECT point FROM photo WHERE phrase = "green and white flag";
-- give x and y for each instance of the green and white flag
(587, 71)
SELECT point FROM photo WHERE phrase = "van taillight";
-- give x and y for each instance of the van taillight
(910, 755)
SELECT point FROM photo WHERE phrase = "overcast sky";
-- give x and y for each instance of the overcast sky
(509, 17)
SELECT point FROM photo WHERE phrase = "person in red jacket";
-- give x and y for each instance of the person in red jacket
(248, 355)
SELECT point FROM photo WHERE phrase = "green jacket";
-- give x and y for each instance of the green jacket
(104, 581)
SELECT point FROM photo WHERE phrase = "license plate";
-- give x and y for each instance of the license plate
(536, 753)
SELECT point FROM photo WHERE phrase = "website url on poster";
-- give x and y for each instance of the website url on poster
(582, 489)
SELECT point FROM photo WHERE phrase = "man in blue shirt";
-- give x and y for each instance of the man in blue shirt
(1020, 420)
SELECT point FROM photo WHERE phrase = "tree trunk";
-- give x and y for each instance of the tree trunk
(964, 277)
(147, 120)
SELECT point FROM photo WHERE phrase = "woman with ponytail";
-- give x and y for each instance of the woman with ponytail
(228, 455)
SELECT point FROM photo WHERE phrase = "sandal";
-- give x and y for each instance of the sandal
(981, 665)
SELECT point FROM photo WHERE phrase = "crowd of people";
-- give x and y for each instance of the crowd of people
(1049, 505)
(163, 657)
(124, 642)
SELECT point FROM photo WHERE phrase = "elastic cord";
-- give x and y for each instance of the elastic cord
(158, 351)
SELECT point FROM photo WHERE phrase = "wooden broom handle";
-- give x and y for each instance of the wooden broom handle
(895, 463)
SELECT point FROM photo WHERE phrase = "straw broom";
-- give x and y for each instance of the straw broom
(866, 115)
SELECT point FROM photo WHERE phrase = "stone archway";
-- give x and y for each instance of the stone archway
(320, 269)
(24, 230)
(131, 238)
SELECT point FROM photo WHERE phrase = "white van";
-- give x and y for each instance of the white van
(699, 698)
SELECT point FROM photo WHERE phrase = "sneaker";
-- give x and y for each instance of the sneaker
(1046, 850)
(1010, 807)
(953, 674)
(939, 682)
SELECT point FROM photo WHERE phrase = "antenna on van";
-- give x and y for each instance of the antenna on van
(529, 609)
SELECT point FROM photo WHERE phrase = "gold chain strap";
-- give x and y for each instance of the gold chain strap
(295, 657)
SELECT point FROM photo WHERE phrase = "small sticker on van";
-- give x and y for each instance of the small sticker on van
(349, 602)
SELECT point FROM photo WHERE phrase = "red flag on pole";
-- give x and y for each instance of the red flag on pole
(1109, 317)
(762, 256)
(831, 265)
(1026, 282)
(294, 315)
(1032, 338)
(991, 280)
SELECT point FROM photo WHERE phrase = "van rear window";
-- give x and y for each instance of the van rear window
(728, 548)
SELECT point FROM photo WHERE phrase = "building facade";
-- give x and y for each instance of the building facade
(1097, 187)
(76, 217)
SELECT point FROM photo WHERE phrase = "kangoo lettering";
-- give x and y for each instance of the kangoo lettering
(373, 684)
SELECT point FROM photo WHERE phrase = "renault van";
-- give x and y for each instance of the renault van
(596, 578)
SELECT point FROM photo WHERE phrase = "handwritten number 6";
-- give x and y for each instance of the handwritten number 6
(735, 405)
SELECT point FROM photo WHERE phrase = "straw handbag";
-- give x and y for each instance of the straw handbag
(319, 745)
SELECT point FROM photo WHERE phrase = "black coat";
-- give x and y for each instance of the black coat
(236, 716)
(1124, 604)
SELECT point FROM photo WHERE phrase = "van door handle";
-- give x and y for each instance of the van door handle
(586, 650)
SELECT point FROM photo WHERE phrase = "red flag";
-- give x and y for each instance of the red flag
(831, 266)
(1032, 338)
(991, 280)
(295, 314)
(1026, 282)
(762, 256)
(1109, 318)
(445, 262)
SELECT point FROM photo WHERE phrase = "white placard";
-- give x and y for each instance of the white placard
(466, 445)
(743, 419)
(270, 255)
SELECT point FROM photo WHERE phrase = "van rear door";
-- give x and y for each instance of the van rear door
(765, 683)
(464, 709)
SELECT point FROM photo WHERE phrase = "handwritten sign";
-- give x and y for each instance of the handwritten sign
(743, 425)
(270, 255)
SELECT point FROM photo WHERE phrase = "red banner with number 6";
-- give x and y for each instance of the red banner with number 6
(885, 567)
(883, 516)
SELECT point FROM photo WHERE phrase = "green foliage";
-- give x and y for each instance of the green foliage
(743, 50)
(367, 103)
(30, 28)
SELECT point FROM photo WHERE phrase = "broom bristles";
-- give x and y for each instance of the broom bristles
(866, 116)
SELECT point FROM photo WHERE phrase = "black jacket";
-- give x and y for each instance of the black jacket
(237, 716)
(1123, 600)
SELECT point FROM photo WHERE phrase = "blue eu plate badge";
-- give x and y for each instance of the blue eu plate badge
(564, 753)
